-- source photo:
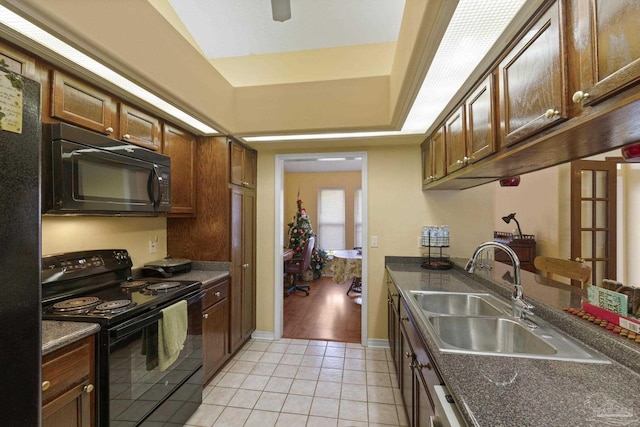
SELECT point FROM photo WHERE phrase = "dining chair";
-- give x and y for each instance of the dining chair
(574, 270)
(356, 283)
(298, 265)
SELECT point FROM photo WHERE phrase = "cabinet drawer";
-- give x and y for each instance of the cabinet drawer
(215, 293)
(66, 368)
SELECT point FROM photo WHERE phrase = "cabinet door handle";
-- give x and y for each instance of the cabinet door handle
(551, 113)
(245, 265)
(126, 136)
(205, 316)
(579, 96)
(88, 388)
(45, 385)
(407, 355)
(422, 366)
(404, 319)
(217, 294)
(109, 129)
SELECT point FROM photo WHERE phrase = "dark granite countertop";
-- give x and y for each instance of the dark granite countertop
(507, 391)
(206, 271)
(58, 334)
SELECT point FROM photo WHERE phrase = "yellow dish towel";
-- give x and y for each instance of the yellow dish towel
(172, 333)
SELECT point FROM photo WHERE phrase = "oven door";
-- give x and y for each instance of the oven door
(137, 391)
(102, 180)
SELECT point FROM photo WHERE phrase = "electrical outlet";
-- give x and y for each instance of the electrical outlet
(374, 241)
(153, 246)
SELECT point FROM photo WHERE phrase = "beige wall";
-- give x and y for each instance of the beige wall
(537, 205)
(308, 185)
(76, 233)
(397, 210)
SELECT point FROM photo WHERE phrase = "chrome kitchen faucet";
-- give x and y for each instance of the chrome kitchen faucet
(519, 307)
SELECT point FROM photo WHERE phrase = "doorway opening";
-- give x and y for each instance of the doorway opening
(326, 162)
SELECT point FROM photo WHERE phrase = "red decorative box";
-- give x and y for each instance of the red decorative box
(624, 322)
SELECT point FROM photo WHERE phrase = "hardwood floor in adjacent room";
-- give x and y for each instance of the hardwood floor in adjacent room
(327, 313)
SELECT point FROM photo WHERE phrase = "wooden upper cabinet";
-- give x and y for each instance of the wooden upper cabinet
(78, 103)
(14, 60)
(455, 141)
(139, 128)
(439, 166)
(481, 117)
(243, 165)
(427, 162)
(532, 80)
(181, 147)
(607, 47)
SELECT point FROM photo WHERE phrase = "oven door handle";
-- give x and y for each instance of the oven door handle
(130, 327)
(134, 326)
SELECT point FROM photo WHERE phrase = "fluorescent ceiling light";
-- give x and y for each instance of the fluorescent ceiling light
(57, 46)
(331, 159)
(473, 30)
(342, 135)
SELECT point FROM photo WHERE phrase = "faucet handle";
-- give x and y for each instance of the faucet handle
(523, 304)
(521, 308)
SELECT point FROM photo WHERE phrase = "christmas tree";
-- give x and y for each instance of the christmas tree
(299, 231)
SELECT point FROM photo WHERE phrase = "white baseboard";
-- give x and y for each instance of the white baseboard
(377, 343)
(372, 342)
(262, 335)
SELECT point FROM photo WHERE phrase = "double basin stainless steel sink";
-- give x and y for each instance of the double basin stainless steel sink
(480, 323)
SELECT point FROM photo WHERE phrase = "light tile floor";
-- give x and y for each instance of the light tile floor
(303, 383)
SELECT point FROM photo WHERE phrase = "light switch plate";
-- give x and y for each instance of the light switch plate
(374, 241)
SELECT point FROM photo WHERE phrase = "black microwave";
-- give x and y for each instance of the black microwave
(88, 173)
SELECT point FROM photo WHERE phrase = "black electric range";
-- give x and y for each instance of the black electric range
(97, 286)
(135, 384)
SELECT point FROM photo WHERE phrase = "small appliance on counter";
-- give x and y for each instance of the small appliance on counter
(166, 267)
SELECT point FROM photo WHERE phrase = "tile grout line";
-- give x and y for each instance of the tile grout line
(249, 358)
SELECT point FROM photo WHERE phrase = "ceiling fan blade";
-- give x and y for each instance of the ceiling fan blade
(281, 10)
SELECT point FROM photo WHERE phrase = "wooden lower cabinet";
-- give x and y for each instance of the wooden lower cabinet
(215, 328)
(417, 375)
(393, 325)
(68, 382)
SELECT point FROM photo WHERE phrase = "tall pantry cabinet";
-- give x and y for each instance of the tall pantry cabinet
(223, 229)
(243, 236)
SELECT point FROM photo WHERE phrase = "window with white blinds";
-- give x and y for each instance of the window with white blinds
(331, 218)
(357, 218)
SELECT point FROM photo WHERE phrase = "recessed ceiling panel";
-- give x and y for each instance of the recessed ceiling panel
(232, 28)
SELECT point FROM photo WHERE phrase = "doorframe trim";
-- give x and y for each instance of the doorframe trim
(278, 320)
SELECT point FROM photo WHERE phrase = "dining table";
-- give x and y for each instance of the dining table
(347, 265)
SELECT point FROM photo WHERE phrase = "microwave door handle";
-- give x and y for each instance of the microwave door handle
(155, 190)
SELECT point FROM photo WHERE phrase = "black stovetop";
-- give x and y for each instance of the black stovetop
(85, 286)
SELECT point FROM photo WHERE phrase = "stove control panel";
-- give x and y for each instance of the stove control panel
(83, 263)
